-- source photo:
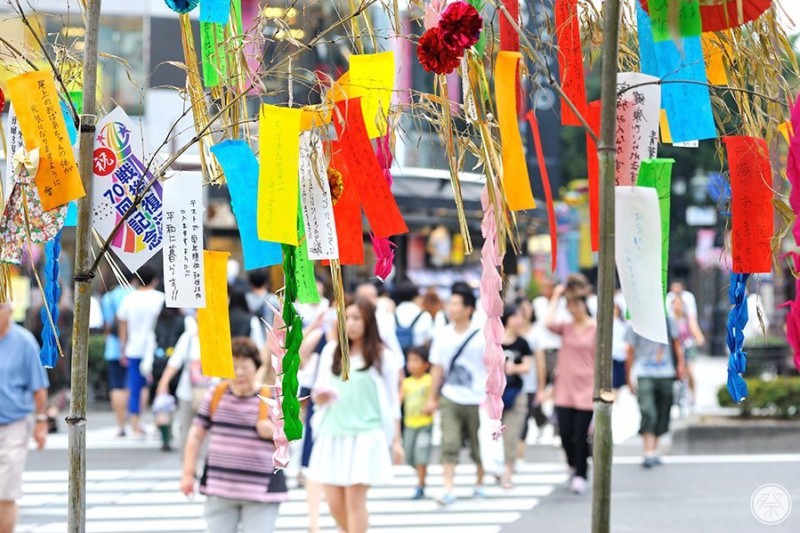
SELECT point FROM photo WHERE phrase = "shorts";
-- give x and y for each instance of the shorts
(117, 375)
(13, 452)
(460, 423)
(226, 514)
(655, 403)
(618, 378)
(417, 443)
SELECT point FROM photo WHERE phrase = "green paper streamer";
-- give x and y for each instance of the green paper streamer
(304, 269)
(657, 174)
(480, 46)
(77, 100)
(689, 22)
(293, 427)
(213, 47)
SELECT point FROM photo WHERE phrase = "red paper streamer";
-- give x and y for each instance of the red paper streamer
(509, 40)
(593, 171)
(570, 60)
(376, 197)
(751, 204)
(548, 193)
(347, 213)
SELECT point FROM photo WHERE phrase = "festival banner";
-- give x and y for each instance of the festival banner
(120, 174)
(184, 285)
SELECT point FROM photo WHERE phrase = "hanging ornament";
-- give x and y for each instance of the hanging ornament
(182, 6)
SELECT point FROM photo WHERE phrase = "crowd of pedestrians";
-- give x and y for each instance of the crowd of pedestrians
(416, 361)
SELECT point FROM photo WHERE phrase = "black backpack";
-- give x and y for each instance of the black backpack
(405, 335)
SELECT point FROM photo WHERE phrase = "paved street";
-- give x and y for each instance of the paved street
(133, 487)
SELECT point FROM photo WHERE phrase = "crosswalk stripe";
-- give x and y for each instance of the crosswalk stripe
(148, 500)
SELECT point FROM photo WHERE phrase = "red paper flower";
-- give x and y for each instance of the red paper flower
(461, 24)
(437, 54)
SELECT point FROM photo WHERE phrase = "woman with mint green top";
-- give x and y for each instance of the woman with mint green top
(356, 423)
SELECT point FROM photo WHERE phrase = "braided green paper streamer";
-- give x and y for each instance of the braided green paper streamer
(293, 427)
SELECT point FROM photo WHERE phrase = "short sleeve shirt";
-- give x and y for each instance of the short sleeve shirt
(465, 382)
(21, 374)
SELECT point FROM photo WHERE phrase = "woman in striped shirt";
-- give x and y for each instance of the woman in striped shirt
(239, 480)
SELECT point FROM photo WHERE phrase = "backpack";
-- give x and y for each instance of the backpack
(405, 335)
(222, 388)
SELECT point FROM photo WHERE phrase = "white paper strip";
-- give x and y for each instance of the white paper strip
(315, 199)
(14, 141)
(687, 144)
(639, 135)
(638, 256)
(120, 172)
(183, 241)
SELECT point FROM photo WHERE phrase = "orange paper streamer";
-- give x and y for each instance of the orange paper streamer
(39, 115)
(516, 182)
(347, 213)
(714, 51)
(751, 204)
(593, 170)
(365, 172)
(213, 322)
(570, 60)
(548, 194)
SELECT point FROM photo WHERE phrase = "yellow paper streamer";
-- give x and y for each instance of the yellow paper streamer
(278, 181)
(372, 80)
(40, 119)
(786, 129)
(714, 51)
(213, 322)
(516, 183)
(666, 136)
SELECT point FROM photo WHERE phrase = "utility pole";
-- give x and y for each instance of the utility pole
(76, 421)
(603, 390)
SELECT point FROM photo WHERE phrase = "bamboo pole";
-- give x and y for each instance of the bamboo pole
(603, 390)
(76, 421)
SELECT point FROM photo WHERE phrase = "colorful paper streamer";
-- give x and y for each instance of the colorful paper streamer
(593, 170)
(347, 212)
(570, 60)
(737, 320)
(52, 295)
(689, 23)
(213, 321)
(516, 183)
(216, 11)
(657, 174)
(372, 80)
(293, 426)
(548, 193)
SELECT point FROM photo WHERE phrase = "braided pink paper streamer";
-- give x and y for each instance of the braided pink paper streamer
(383, 247)
(491, 284)
(276, 339)
(793, 174)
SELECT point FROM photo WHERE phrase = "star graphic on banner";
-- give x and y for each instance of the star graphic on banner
(101, 139)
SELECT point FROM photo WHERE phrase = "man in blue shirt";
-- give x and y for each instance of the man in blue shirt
(23, 390)
(117, 374)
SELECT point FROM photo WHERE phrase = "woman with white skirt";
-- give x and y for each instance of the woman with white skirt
(356, 422)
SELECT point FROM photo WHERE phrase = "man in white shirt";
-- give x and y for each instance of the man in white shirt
(457, 358)
(137, 315)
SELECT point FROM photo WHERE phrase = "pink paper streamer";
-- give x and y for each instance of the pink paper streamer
(433, 12)
(793, 174)
(276, 340)
(491, 284)
(383, 247)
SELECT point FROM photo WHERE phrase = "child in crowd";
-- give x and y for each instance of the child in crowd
(418, 426)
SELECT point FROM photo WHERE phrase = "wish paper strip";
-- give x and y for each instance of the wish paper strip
(212, 53)
(657, 174)
(215, 11)
(570, 60)
(347, 212)
(369, 181)
(593, 170)
(279, 147)
(372, 80)
(213, 320)
(241, 172)
(548, 193)
(637, 252)
(42, 124)
(315, 199)
(641, 130)
(14, 142)
(714, 51)
(303, 268)
(516, 182)
(751, 204)
(689, 21)
(184, 284)
(120, 173)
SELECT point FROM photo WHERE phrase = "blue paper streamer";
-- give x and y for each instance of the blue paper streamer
(737, 319)
(69, 121)
(688, 105)
(182, 6)
(241, 170)
(71, 219)
(216, 11)
(52, 294)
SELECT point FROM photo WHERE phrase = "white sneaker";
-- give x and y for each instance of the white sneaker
(578, 485)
